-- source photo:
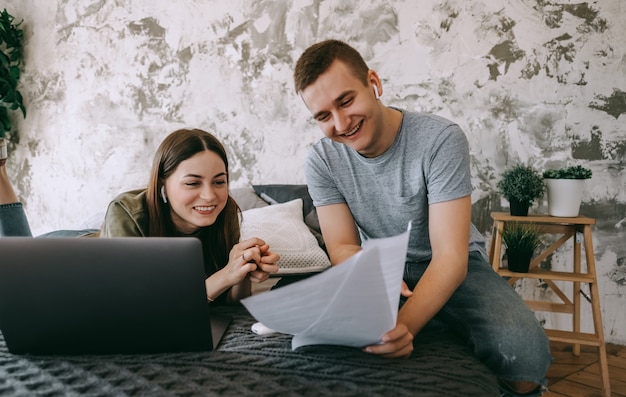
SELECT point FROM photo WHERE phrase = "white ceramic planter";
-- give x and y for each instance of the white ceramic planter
(564, 196)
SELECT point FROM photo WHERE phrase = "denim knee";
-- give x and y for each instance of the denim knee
(507, 335)
(516, 353)
(13, 221)
(497, 325)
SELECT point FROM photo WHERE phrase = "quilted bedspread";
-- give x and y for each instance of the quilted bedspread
(245, 364)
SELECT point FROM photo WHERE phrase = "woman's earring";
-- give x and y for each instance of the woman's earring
(163, 194)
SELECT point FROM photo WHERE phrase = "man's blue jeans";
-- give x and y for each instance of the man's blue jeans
(495, 322)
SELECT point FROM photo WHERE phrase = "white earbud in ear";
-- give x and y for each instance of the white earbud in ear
(376, 92)
(163, 194)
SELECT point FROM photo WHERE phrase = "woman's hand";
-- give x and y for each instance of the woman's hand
(266, 265)
(248, 261)
(251, 258)
(243, 259)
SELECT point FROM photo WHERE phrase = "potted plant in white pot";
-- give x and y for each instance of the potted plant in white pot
(521, 185)
(521, 240)
(565, 189)
(10, 60)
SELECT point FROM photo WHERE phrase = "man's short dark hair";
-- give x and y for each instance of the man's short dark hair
(316, 59)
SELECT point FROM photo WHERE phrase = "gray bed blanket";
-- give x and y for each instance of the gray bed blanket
(245, 364)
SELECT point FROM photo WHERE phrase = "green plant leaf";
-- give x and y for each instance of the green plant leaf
(15, 72)
(572, 172)
(4, 61)
(521, 183)
(4, 119)
(518, 236)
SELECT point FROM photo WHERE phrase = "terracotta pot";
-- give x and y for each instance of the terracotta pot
(564, 196)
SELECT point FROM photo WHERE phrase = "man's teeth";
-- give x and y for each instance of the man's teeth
(354, 130)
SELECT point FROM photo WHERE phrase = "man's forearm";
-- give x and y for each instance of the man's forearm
(342, 253)
(429, 295)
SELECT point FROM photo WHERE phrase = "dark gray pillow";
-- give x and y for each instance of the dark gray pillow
(247, 198)
(283, 193)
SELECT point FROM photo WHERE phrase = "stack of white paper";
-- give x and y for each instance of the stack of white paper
(351, 304)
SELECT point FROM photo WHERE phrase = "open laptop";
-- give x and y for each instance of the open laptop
(105, 296)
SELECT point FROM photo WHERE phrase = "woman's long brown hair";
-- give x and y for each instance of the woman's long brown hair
(217, 239)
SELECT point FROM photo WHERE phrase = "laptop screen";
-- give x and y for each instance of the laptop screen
(102, 296)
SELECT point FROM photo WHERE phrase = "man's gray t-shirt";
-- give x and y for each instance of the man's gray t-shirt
(427, 163)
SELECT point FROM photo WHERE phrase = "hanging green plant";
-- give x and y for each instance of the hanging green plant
(10, 61)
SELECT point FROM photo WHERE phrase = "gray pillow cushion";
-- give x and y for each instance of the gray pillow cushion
(247, 198)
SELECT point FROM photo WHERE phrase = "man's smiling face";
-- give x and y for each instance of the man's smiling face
(345, 109)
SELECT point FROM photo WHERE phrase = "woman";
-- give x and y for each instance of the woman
(187, 195)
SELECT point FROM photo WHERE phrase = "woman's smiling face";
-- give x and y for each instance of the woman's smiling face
(197, 191)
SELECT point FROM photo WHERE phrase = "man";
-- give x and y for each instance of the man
(379, 168)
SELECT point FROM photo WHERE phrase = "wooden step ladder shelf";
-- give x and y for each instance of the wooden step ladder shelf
(578, 228)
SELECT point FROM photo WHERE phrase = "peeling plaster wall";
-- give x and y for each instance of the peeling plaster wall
(541, 82)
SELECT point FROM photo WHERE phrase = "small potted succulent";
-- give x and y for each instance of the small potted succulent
(565, 189)
(521, 240)
(521, 185)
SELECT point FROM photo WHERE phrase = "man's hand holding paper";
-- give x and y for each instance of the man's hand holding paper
(354, 303)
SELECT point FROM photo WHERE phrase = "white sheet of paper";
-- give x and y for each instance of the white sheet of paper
(351, 304)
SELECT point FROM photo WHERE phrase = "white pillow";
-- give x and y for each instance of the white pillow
(283, 228)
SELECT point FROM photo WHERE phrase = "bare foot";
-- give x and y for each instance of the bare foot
(3, 152)
(7, 194)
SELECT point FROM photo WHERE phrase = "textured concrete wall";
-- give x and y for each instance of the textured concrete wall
(534, 81)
